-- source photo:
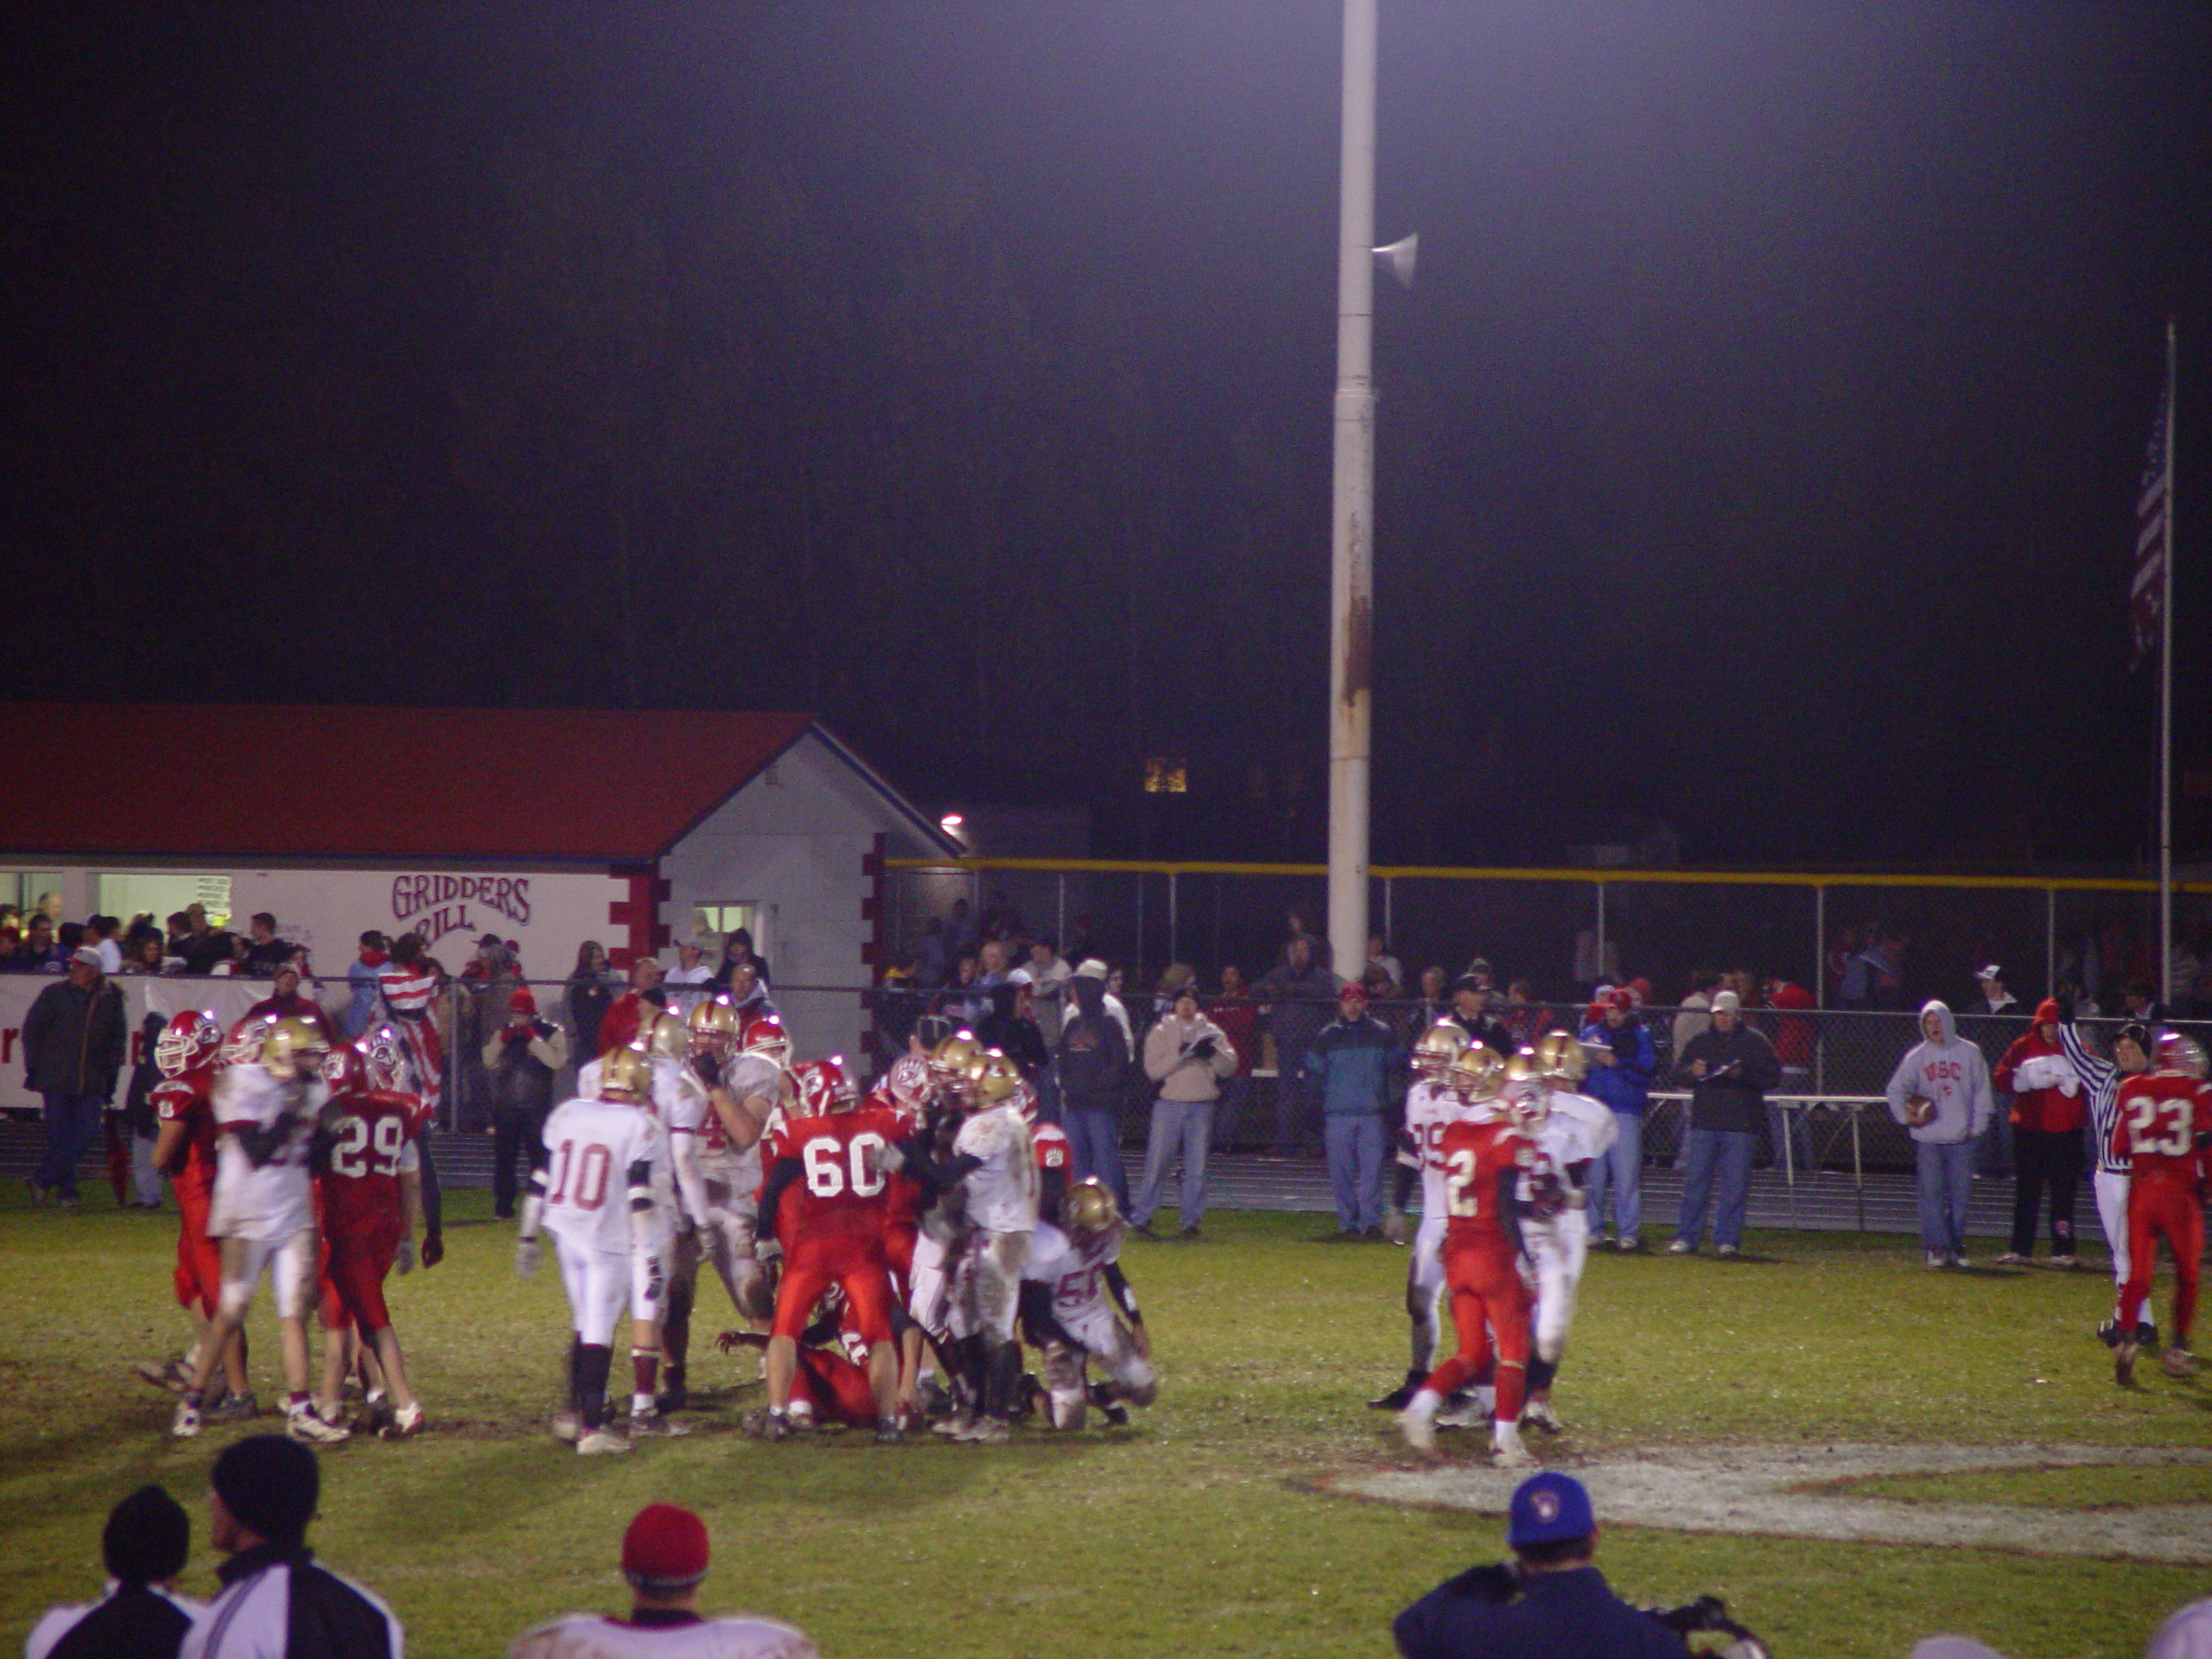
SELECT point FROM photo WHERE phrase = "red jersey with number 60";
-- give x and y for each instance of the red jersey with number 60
(370, 1132)
(838, 1193)
(2156, 1121)
(1482, 1163)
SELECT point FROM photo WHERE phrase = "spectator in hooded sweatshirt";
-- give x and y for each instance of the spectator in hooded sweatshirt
(1622, 1065)
(1941, 1092)
(1093, 1068)
(2048, 1112)
(361, 983)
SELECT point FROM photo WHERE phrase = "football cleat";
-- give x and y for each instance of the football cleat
(889, 1431)
(1512, 1455)
(650, 1425)
(566, 1424)
(404, 1423)
(1541, 1414)
(1420, 1429)
(987, 1431)
(2123, 1363)
(766, 1424)
(957, 1427)
(1397, 1399)
(232, 1408)
(185, 1425)
(602, 1442)
(170, 1374)
(2177, 1362)
(305, 1423)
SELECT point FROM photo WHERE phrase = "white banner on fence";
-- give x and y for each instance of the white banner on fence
(227, 999)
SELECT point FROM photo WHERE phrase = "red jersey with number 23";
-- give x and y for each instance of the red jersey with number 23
(2156, 1121)
(838, 1193)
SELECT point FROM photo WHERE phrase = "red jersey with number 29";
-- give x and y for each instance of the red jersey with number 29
(2156, 1121)
(371, 1133)
(1482, 1163)
(838, 1192)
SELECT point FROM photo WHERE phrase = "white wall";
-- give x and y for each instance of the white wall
(796, 838)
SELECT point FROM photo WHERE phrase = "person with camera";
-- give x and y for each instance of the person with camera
(1548, 1602)
(1188, 1056)
(521, 1057)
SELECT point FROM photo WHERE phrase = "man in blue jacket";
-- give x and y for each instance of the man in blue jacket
(1548, 1603)
(1351, 1064)
(1622, 1065)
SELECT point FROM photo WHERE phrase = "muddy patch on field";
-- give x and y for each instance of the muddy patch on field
(1803, 1491)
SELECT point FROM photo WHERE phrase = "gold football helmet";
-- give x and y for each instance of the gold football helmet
(625, 1074)
(1477, 1072)
(1088, 1209)
(1561, 1055)
(955, 1054)
(994, 1077)
(294, 1048)
(1436, 1048)
(664, 1036)
(713, 1024)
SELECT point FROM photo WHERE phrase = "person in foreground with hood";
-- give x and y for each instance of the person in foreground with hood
(1941, 1093)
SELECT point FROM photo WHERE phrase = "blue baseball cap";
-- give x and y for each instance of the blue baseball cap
(1549, 1509)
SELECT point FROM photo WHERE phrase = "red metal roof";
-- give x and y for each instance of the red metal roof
(233, 780)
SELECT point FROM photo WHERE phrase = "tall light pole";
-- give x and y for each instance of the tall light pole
(1352, 564)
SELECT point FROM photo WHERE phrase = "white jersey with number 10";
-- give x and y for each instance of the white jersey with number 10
(590, 1146)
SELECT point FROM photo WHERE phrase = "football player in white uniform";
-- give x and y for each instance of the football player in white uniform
(665, 1559)
(995, 1167)
(1438, 1095)
(263, 1212)
(1570, 1130)
(612, 1250)
(1074, 1268)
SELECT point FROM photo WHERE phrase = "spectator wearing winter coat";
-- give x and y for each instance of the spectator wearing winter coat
(1796, 1032)
(1187, 1056)
(1353, 1063)
(1941, 1092)
(1729, 1067)
(74, 1037)
(1239, 1019)
(520, 1059)
(1295, 996)
(1049, 973)
(1622, 1066)
(1093, 1069)
(361, 983)
(2048, 1111)
(588, 993)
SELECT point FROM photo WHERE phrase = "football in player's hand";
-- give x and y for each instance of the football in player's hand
(1920, 1111)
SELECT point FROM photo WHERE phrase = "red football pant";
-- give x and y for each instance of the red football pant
(1487, 1295)
(838, 1390)
(812, 1266)
(2163, 1204)
(199, 1258)
(355, 1266)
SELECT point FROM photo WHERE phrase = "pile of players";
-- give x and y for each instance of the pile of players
(919, 1232)
(1502, 1145)
(295, 1156)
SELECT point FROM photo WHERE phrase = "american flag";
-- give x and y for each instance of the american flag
(2147, 602)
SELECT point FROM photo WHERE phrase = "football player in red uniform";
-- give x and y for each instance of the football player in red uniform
(824, 1201)
(1483, 1164)
(2163, 1121)
(369, 1187)
(186, 1054)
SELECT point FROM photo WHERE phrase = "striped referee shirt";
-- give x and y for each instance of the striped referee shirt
(2100, 1081)
(278, 1604)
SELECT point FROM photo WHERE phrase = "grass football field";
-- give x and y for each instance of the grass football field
(1210, 1527)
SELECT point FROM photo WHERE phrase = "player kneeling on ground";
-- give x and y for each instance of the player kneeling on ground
(610, 1251)
(1073, 1268)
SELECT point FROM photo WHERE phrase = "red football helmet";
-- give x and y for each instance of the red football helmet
(346, 1069)
(189, 1040)
(2175, 1051)
(823, 1088)
(907, 1083)
(387, 1059)
(243, 1046)
(765, 1035)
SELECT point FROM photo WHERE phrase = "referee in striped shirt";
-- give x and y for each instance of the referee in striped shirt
(2100, 1081)
(278, 1602)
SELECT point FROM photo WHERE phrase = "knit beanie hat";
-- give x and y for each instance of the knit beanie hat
(148, 1537)
(269, 1484)
(665, 1550)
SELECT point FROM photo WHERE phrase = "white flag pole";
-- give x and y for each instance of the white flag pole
(2166, 704)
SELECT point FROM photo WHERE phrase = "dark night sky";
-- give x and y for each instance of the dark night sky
(1759, 451)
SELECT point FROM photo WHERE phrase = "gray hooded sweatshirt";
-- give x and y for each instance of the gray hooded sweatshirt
(1953, 1073)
